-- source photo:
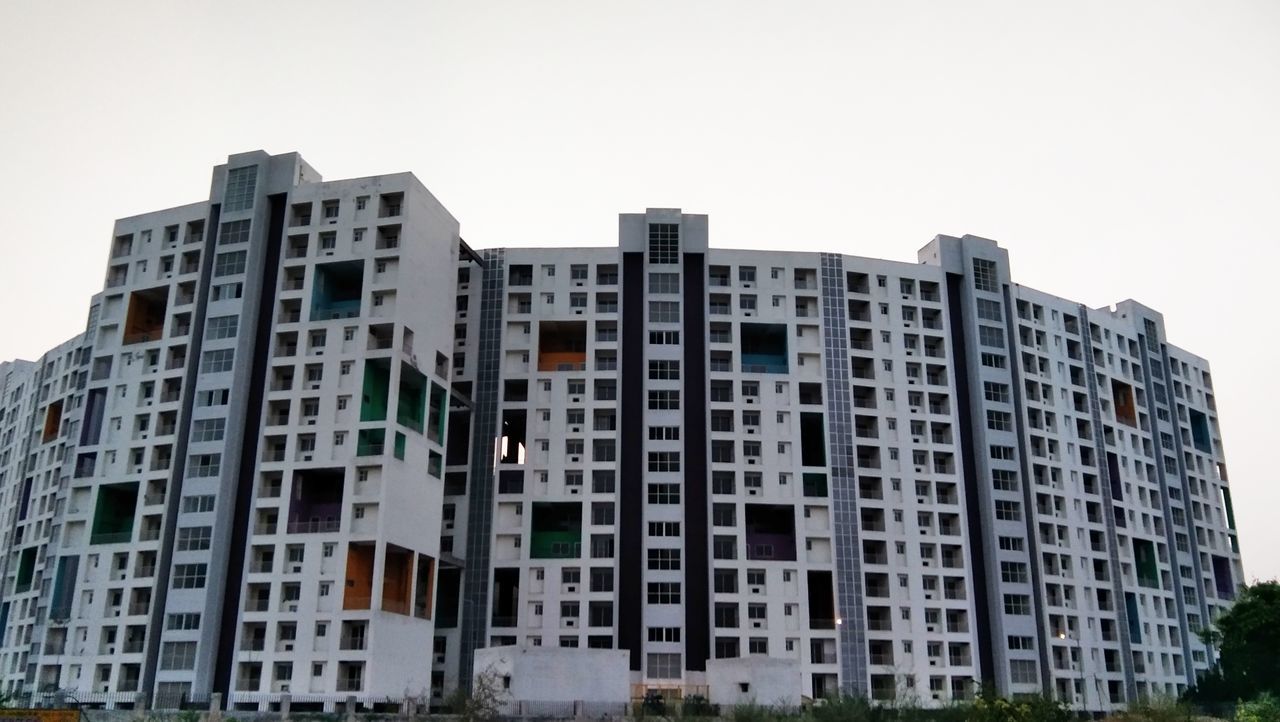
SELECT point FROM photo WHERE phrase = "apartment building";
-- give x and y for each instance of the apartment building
(311, 444)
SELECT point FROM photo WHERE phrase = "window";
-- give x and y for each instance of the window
(663, 593)
(229, 264)
(221, 327)
(1023, 671)
(1004, 480)
(664, 528)
(664, 370)
(993, 360)
(664, 494)
(664, 461)
(213, 397)
(238, 197)
(1023, 643)
(1010, 544)
(722, 482)
(234, 232)
(999, 420)
(208, 429)
(663, 665)
(183, 622)
(991, 337)
(984, 275)
(989, 310)
(602, 481)
(189, 576)
(227, 291)
(664, 399)
(664, 338)
(664, 433)
(1017, 604)
(1008, 510)
(1003, 453)
(993, 391)
(194, 538)
(664, 283)
(664, 634)
(1013, 572)
(664, 559)
(204, 465)
(602, 579)
(664, 312)
(178, 655)
(197, 504)
(664, 243)
(217, 361)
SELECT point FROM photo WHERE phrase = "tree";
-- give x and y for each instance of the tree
(1248, 639)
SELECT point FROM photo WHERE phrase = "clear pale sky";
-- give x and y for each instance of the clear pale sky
(1117, 149)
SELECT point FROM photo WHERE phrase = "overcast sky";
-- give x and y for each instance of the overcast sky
(1117, 149)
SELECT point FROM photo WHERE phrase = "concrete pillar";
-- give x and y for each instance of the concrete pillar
(215, 707)
(579, 709)
(351, 708)
(142, 701)
(522, 708)
(286, 701)
(410, 707)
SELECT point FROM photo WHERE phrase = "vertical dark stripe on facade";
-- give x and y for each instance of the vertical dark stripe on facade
(173, 499)
(850, 603)
(972, 494)
(1028, 496)
(697, 605)
(1185, 487)
(1104, 481)
(631, 460)
(249, 453)
(1167, 508)
(476, 571)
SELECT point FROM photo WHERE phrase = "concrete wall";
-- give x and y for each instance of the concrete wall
(553, 674)
(756, 679)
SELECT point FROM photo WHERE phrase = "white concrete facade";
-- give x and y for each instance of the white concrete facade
(312, 444)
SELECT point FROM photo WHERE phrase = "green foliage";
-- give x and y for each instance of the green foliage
(1161, 709)
(988, 708)
(484, 704)
(1266, 708)
(1248, 639)
(847, 709)
(695, 705)
(753, 713)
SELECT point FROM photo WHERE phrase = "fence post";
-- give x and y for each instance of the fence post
(579, 709)
(410, 707)
(215, 707)
(286, 701)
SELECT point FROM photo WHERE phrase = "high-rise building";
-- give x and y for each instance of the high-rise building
(310, 443)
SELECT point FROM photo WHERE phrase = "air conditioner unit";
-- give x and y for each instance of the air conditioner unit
(751, 429)
(750, 399)
(288, 646)
(753, 492)
(306, 457)
(751, 460)
(757, 624)
(296, 568)
(571, 622)
(575, 459)
(575, 399)
(757, 590)
(311, 421)
(575, 429)
(571, 588)
(575, 490)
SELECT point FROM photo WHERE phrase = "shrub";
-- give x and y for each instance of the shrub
(1265, 708)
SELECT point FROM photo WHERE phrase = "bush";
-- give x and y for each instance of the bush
(1265, 708)
(1157, 710)
(753, 713)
